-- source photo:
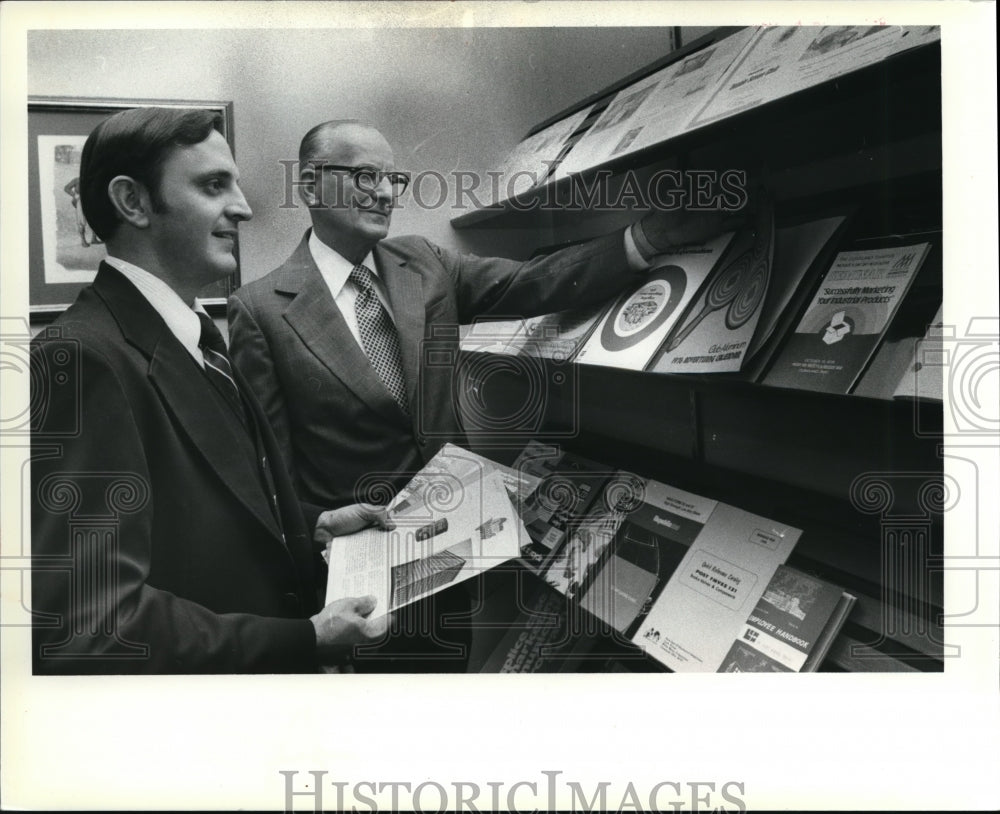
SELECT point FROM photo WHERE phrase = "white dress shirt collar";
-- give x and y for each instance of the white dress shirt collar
(334, 267)
(181, 320)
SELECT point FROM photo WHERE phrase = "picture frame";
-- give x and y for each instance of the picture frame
(63, 252)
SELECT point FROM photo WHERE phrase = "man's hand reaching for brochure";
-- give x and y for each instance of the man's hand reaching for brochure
(349, 519)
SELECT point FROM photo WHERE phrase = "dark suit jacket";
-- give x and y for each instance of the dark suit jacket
(335, 420)
(155, 546)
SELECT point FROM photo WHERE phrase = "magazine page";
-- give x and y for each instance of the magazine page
(438, 542)
(701, 610)
(634, 328)
(442, 482)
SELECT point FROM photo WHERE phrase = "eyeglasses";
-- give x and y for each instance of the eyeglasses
(367, 179)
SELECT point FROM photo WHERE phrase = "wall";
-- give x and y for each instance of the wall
(447, 99)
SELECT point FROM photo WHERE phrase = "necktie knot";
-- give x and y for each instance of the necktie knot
(211, 337)
(363, 278)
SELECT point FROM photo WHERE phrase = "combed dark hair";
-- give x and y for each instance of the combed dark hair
(135, 143)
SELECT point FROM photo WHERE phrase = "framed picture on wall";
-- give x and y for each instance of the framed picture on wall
(63, 251)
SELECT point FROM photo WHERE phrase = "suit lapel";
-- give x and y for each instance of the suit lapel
(314, 316)
(406, 298)
(184, 390)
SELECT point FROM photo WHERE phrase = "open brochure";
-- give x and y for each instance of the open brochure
(454, 520)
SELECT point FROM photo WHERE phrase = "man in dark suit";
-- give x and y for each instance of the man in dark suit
(297, 336)
(166, 534)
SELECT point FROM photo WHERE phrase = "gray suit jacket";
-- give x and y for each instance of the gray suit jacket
(344, 436)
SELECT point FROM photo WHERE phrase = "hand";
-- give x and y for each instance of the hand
(659, 231)
(348, 519)
(344, 623)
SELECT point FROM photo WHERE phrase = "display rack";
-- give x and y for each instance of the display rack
(862, 477)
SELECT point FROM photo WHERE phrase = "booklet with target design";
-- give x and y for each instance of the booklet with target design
(633, 329)
(715, 333)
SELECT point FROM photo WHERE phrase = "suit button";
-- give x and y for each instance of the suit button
(291, 602)
(422, 441)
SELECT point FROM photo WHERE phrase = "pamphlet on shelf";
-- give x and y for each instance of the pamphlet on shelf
(887, 368)
(792, 626)
(923, 376)
(586, 543)
(723, 575)
(847, 318)
(633, 329)
(655, 108)
(801, 253)
(655, 535)
(715, 332)
(531, 161)
(569, 486)
(453, 521)
(505, 336)
(559, 336)
(782, 60)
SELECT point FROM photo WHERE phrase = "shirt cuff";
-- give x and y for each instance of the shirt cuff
(636, 259)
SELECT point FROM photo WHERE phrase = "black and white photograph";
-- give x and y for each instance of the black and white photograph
(290, 521)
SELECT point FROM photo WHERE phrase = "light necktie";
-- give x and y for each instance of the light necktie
(217, 365)
(378, 336)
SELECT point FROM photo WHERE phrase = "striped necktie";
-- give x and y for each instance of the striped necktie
(217, 365)
(379, 336)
